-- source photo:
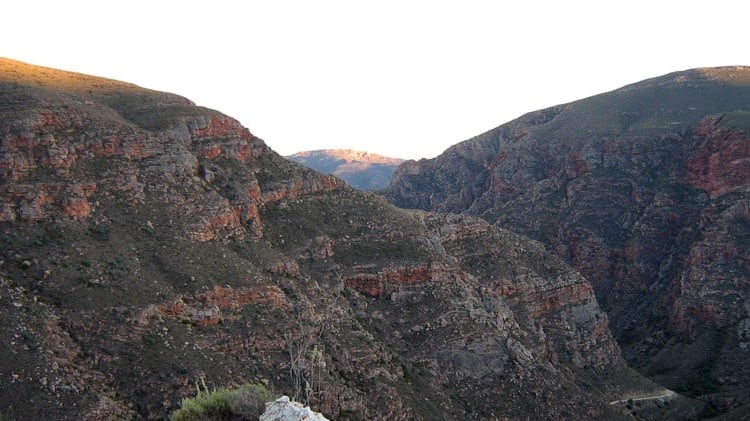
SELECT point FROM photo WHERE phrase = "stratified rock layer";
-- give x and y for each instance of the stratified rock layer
(645, 190)
(148, 244)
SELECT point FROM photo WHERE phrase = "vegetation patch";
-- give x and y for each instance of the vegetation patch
(246, 402)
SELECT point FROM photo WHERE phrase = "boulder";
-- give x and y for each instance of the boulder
(283, 409)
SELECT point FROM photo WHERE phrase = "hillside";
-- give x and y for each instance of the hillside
(362, 170)
(646, 191)
(149, 245)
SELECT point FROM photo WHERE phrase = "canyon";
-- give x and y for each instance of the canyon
(150, 246)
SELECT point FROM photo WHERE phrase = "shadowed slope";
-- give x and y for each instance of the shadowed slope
(645, 191)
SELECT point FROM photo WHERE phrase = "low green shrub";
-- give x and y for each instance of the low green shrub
(246, 402)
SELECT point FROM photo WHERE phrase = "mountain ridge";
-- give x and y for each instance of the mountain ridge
(644, 190)
(362, 170)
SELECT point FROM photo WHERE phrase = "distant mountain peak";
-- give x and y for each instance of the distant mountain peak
(349, 155)
(363, 170)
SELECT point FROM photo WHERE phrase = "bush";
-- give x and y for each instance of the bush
(249, 401)
(246, 402)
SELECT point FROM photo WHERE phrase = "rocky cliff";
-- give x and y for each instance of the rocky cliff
(645, 190)
(362, 170)
(148, 244)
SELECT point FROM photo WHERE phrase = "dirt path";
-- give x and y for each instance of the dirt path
(668, 394)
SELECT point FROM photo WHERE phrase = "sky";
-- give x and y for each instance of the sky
(405, 78)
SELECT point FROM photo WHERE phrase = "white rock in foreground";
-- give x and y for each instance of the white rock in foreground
(282, 409)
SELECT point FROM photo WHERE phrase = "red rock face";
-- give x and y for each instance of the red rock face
(713, 285)
(390, 280)
(222, 222)
(553, 306)
(588, 253)
(215, 135)
(543, 303)
(211, 308)
(45, 139)
(33, 202)
(55, 141)
(220, 126)
(721, 164)
(302, 187)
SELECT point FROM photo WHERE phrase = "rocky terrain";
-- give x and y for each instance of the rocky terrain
(362, 170)
(646, 191)
(149, 246)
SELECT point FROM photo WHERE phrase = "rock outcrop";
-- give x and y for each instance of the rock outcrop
(644, 190)
(282, 409)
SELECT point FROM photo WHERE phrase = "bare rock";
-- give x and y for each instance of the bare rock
(282, 409)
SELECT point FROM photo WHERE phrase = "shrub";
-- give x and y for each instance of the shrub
(246, 402)
(249, 401)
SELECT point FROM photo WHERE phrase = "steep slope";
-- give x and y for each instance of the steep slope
(362, 170)
(149, 245)
(645, 190)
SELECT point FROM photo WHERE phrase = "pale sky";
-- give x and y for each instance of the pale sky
(402, 78)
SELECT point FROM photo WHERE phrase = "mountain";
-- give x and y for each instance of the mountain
(646, 191)
(151, 248)
(362, 170)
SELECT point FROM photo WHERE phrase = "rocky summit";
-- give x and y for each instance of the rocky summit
(362, 170)
(646, 191)
(151, 249)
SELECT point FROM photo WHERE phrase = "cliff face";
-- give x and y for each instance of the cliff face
(362, 170)
(149, 244)
(645, 191)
